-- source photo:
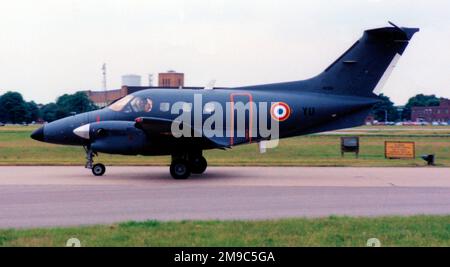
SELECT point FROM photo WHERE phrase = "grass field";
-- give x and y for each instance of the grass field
(16, 148)
(420, 231)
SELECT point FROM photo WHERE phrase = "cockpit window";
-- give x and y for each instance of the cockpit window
(132, 103)
(120, 104)
(137, 104)
(140, 104)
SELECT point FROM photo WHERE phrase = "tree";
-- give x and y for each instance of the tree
(78, 103)
(50, 112)
(33, 111)
(386, 105)
(13, 108)
(419, 100)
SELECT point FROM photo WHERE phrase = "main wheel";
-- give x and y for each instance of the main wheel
(198, 165)
(179, 169)
(98, 169)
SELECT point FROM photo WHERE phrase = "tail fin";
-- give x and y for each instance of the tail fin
(364, 68)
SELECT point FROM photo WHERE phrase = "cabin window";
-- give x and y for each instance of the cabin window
(209, 108)
(164, 107)
(187, 107)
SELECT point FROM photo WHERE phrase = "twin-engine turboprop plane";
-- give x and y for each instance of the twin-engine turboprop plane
(185, 122)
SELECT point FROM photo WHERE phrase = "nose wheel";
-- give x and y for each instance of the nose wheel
(97, 169)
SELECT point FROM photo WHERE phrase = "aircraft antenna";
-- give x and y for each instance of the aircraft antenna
(105, 88)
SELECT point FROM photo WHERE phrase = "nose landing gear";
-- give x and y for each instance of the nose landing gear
(97, 169)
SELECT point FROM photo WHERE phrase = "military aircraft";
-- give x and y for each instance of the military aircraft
(149, 122)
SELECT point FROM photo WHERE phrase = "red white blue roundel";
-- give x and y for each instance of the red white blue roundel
(280, 111)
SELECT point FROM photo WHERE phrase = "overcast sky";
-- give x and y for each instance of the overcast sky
(51, 47)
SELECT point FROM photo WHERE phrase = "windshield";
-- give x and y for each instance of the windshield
(120, 104)
(131, 103)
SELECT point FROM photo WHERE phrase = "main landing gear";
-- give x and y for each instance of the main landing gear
(97, 169)
(183, 165)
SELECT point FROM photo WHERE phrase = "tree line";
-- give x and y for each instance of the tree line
(14, 109)
(404, 114)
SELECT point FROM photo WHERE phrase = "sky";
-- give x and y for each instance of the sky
(52, 47)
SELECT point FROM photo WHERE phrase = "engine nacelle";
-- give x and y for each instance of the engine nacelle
(114, 137)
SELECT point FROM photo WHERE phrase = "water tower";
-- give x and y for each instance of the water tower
(131, 80)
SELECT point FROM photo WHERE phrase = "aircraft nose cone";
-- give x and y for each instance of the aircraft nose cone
(38, 134)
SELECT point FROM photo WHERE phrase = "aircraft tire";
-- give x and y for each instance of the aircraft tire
(180, 169)
(198, 165)
(98, 169)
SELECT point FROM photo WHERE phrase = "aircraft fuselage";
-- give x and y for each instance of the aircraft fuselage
(308, 112)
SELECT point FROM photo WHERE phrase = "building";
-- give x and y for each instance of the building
(171, 79)
(370, 119)
(104, 98)
(132, 83)
(440, 113)
(131, 80)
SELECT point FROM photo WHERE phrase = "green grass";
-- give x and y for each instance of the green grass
(420, 231)
(16, 148)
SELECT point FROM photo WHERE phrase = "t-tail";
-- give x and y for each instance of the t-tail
(364, 68)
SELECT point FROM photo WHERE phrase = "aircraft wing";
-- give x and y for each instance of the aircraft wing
(163, 128)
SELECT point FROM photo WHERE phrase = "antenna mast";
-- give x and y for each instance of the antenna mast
(105, 89)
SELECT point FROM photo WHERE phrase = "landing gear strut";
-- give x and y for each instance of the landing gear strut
(97, 169)
(184, 164)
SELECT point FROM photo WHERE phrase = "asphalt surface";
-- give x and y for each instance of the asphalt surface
(65, 196)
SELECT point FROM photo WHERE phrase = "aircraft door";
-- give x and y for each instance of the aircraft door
(241, 118)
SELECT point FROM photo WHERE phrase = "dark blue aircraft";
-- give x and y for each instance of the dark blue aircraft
(185, 122)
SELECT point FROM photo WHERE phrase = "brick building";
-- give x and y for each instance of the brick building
(104, 98)
(440, 113)
(171, 79)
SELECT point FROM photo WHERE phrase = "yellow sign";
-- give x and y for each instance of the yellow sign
(400, 150)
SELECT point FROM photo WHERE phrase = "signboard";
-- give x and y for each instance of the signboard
(400, 150)
(350, 144)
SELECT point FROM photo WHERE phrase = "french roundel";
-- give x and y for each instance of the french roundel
(280, 111)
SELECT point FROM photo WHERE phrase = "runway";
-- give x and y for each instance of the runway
(66, 196)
